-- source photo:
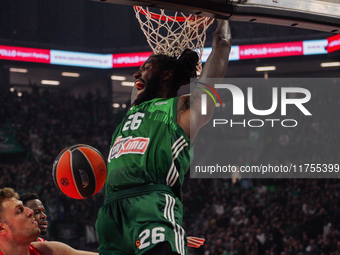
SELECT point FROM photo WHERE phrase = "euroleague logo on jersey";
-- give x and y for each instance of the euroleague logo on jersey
(137, 145)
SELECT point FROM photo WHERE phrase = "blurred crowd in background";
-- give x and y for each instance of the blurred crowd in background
(235, 216)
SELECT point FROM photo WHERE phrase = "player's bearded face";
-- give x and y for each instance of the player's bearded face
(153, 89)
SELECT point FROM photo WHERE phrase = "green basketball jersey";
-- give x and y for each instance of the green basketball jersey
(149, 147)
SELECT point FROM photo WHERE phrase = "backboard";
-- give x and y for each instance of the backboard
(321, 15)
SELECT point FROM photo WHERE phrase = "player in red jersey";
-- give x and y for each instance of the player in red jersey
(18, 229)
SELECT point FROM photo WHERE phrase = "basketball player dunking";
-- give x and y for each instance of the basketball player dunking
(150, 154)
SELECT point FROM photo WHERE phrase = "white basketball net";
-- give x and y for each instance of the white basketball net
(170, 35)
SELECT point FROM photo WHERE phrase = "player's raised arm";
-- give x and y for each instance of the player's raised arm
(215, 67)
(217, 62)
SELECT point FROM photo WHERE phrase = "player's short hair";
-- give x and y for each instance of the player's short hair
(184, 67)
(27, 197)
(6, 193)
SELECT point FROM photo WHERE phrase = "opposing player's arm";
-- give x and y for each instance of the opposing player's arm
(215, 67)
(58, 248)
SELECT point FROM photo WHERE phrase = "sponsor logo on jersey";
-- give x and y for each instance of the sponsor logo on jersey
(127, 145)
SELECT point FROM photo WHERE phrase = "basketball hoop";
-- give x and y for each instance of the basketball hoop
(170, 35)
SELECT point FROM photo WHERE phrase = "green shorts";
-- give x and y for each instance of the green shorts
(135, 220)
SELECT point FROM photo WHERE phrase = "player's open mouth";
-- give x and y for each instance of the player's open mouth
(43, 225)
(140, 86)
